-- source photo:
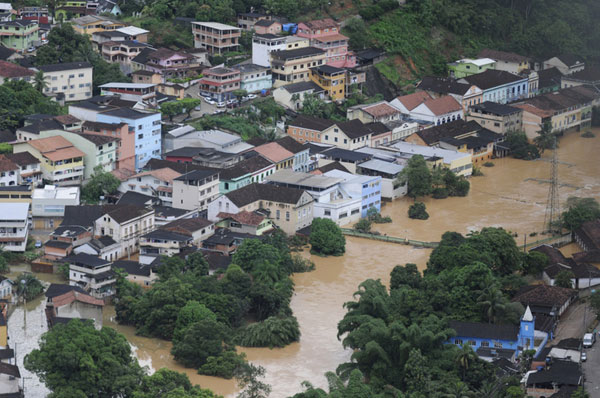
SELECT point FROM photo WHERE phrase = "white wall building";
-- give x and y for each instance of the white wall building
(92, 274)
(51, 200)
(73, 79)
(157, 183)
(14, 226)
(195, 190)
(9, 172)
(125, 225)
(263, 44)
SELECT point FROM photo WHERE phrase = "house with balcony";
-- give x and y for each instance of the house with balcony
(263, 44)
(467, 67)
(254, 78)
(498, 118)
(146, 128)
(92, 274)
(98, 150)
(253, 223)
(291, 96)
(350, 135)
(293, 66)
(219, 83)
(157, 183)
(168, 63)
(367, 188)
(104, 247)
(124, 141)
(381, 112)
(90, 24)
(122, 52)
(301, 161)
(67, 10)
(464, 93)
(216, 139)
(38, 14)
(330, 79)
(216, 37)
(325, 34)
(19, 34)
(248, 171)
(195, 190)
(125, 224)
(138, 92)
(197, 228)
(29, 167)
(308, 128)
(61, 162)
(499, 86)
(161, 243)
(14, 226)
(288, 208)
(72, 80)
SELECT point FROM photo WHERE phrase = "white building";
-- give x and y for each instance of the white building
(138, 92)
(161, 243)
(187, 136)
(330, 200)
(125, 224)
(92, 274)
(73, 79)
(421, 106)
(9, 172)
(51, 200)
(195, 190)
(157, 183)
(14, 226)
(459, 163)
(30, 170)
(263, 44)
(104, 247)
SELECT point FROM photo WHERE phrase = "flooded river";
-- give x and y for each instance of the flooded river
(503, 197)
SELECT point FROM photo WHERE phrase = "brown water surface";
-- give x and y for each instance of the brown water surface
(503, 197)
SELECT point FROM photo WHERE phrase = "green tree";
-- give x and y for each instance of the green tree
(101, 183)
(535, 262)
(493, 303)
(564, 279)
(545, 138)
(5, 148)
(326, 238)
(407, 275)
(248, 380)
(418, 211)
(188, 105)
(189, 314)
(3, 264)
(171, 109)
(272, 332)
(77, 360)
(167, 383)
(579, 210)
(239, 94)
(363, 225)
(580, 393)
(595, 303)
(19, 99)
(39, 81)
(520, 147)
(418, 177)
(28, 286)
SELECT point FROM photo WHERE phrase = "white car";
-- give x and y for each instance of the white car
(219, 111)
(210, 101)
(221, 104)
(583, 357)
(31, 49)
(251, 96)
(231, 101)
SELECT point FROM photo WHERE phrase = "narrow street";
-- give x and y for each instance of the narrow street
(591, 371)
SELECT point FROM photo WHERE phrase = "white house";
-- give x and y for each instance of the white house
(14, 226)
(104, 247)
(125, 224)
(5, 288)
(157, 183)
(51, 200)
(263, 44)
(30, 170)
(421, 106)
(195, 190)
(92, 274)
(73, 80)
(9, 172)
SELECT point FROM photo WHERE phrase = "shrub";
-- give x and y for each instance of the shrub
(488, 164)
(477, 172)
(363, 225)
(374, 216)
(440, 193)
(462, 187)
(300, 264)
(588, 134)
(326, 238)
(274, 331)
(417, 211)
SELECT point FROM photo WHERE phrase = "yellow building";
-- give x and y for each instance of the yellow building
(89, 24)
(293, 66)
(15, 194)
(330, 79)
(61, 162)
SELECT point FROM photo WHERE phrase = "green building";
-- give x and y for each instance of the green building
(19, 34)
(467, 67)
(69, 9)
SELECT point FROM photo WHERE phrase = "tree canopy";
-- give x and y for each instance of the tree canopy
(101, 183)
(326, 238)
(579, 210)
(19, 99)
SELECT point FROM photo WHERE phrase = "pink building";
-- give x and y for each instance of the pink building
(170, 64)
(220, 83)
(325, 34)
(126, 145)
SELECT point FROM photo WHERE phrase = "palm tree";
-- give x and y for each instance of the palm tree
(545, 139)
(492, 302)
(458, 390)
(465, 358)
(39, 81)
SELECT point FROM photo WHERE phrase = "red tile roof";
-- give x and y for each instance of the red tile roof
(6, 164)
(243, 217)
(321, 23)
(72, 296)
(10, 70)
(443, 105)
(411, 101)
(381, 109)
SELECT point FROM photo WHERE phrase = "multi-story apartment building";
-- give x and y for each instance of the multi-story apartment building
(138, 92)
(293, 66)
(216, 37)
(98, 150)
(263, 44)
(38, 14)
(92, 274)
(161, 243)
(146, 127)
(14, 226)
(122, 52)
(67, 10)
(195, 190)
(125, 151)
(499, 86)
(73, 80)
(19, 34)
(330, 79)
(29, 167)
(496, 117)
(220, 83)
(325, 34)
(125, 224)
(51, 200)
(90, 24)
(254, 78)
(157, 183)
(61, 162)
(170, 64)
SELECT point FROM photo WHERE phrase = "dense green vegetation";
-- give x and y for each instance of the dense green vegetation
(204, 315)
(397, 335)
(439, 182)
(418, 211)
(579, 210)
(520, 147)
(326, 238)
(76, 360)
(101, 183)
(66, 45)
(19, 99)
(28, 286)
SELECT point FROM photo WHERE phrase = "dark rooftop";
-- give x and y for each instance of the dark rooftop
(254, 192)
(136, 198)
(133, 267)
(549, 77)
(244, 167)
(86, 260)
(434, 134)
(297, 53)
(354, 128)
(59, 244)
(495, 108)
(443, 85)
(560, 373)
(544, 295)
(128, 113)
(492, 78)
(344, 155)
(160, 234)
(99, 139)
(197, 175)
(485, 330)
(7, 136)
(302, 86)
(64, 66)
(333, 166)
(311, 123)
(58, 289)
(291, 144)
(16, 188)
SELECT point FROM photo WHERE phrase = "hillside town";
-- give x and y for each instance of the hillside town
(180, 191)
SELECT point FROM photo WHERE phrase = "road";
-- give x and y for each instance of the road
(571, 322)
(591, 371)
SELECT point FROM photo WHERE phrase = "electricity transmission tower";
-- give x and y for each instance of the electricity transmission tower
(552, 206)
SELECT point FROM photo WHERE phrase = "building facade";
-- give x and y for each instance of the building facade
(19, 34)
(216, 37)
(325, 34)
(73, 80)
(195, 190)
(14, 226)
(293, 66)
(219, 83)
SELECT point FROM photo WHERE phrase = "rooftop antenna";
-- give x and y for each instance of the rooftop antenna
(552, 206)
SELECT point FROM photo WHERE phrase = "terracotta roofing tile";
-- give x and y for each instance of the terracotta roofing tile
(6, 164)
(411, 101)
(443, 105)
(243, 217)
(273, 152)
(10, 70)
(50, 144)
(544, 295)
(66, 119)
(72, 296)
(321, 23)
(381, 109)
(164, 174)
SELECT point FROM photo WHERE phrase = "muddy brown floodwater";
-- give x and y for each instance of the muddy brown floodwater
(503, 197)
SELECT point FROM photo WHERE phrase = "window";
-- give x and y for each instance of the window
(458, 341)
(81, 75)
(472, 342)
(485, 344)
(327, 213)
(497, 344)
(277, 214)
(287, 216)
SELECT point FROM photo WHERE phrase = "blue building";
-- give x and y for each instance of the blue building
(493, 341)
(254, 78)
(368, 188)
(499, 86)
(145, 126)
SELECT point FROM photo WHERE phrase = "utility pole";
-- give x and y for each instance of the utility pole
(552, 205)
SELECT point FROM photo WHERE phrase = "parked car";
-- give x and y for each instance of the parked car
(38, 244)
(221, 104)
(218, 111)
(583, 357)
(210, 101)
(31, 49)
(232, 101)
(251, 96)
(589, 339)
(233, 105)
